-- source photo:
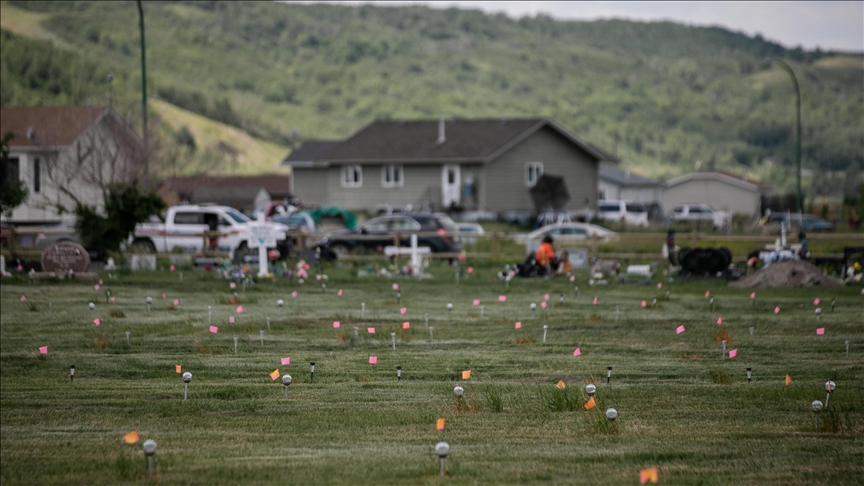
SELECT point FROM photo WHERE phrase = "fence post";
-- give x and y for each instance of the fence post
(694, 237)
(593, 245)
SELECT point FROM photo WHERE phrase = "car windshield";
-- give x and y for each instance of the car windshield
(609, 207)
(636, 208)
(236, 216)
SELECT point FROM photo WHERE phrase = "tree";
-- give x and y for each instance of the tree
(126, 205)
(13, 193)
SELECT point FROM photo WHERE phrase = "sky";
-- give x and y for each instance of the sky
(827, 25)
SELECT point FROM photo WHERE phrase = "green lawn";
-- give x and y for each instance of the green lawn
(683, 407)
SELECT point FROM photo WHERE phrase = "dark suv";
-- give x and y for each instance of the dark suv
(438, 232)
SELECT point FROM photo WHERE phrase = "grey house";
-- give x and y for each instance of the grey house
(720, 190)
(487, 165)
(623, 185)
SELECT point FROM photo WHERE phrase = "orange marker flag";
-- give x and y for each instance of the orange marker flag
(647, 475)
(788, 380)
(274, 375)
(561, 385)
(466, 375)
(131, 437)
(439, 424)
(591, 404)
(178, 368)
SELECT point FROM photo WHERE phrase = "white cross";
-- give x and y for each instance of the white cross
(414, 251)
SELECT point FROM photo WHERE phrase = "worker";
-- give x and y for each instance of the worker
(545, 257)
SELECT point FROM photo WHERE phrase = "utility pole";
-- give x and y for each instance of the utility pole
(144, 89)
(798, 141)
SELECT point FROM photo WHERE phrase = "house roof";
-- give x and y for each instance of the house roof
(480, 141)
(52, 126)
(625, 178)
(310, 151)
(276, 185)
(718, 176)
(238, 197)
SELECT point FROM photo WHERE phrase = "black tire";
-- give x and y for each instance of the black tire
(142, 245)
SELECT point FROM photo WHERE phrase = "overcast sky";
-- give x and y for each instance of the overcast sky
(828, 25)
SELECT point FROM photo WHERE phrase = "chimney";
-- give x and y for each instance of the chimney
(441, 137)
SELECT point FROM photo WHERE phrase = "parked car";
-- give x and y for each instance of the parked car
(379, 232)
(629, 212)
(565, 234)
(698, 213)
(298, 223)
(184, 225)
(470, 232)
(810, 223)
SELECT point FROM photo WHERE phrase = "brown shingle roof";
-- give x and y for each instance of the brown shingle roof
(51, 125)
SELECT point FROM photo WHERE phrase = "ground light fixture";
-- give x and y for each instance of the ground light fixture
(590, 389)
(311, 371)
(817, 407)
(829, 388)
(286, 380)
(533, 307)
(149, 447)
(149, 303)
(280, 303)
(458, 391)
(187, 377)
(442, 449)
(611, 414)
(749, 374)
(450, 311)
(393, 338)
(818, 313)
(92, 307)
(71, 372)
(398, 373)
(608, 374)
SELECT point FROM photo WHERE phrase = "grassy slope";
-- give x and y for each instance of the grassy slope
(356, 425)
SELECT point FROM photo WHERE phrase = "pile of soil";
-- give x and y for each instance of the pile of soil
(788, 274)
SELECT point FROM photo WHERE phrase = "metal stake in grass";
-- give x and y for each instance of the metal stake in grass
(430, 334)
(262, 336)
(128, 333)
(829, 388)
(724, 347)
(393, 338)
(711, 301)
(426, 319)
(457, 275)
(450, 311)
(398, 297)
(210, 314)
(561, 299)
(107, 296)
(323, 288)
(749, 374)
(608, 374)
(187, 377)
(481, 312)
(235, 344)
(92, 307)
(72, 372)
(817, 407)
(49, 305)
(398, 373)
(545, 328)
(751, 333)
(832, 304)
(149, 303)
(286, 380)
(362, 311)
(847, 349)
(576, 290)
(268, 324)
(818, 313)
(279, 304)
(442, 449)
(311, 371)
(149, 447)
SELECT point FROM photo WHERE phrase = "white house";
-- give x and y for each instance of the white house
(66, 155)
(614, 183)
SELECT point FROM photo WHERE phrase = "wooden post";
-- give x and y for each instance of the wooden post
(593, 238)
(695, 237)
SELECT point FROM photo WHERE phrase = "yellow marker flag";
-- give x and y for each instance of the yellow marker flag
(178, 368)
(561, 385)
(466, 374)
(590, 404)
(131, 437)
(647, 475)
(439, 424)
(274, 375)
(788, 380)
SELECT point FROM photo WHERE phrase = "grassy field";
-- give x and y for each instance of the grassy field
(683, 407)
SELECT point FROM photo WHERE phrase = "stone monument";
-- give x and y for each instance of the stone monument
(66, 259)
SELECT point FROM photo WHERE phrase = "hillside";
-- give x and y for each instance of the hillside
(662, 96)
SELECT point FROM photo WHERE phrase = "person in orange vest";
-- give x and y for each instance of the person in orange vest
(545, 256)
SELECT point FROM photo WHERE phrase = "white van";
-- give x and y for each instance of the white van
(629, 212)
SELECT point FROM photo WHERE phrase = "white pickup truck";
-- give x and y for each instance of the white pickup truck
(185, 224)
(700, 212)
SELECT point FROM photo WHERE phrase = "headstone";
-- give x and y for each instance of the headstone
(143, 262)
(578, 258)
(110, 265)
(63, 256)
(180, 260)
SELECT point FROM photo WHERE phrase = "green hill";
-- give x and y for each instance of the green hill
(662, 96)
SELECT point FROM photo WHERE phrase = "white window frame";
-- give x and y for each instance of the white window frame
(535, 169)
(388, 173)
(350, 182)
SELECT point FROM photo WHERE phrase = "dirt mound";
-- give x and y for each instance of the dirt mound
(788, 274)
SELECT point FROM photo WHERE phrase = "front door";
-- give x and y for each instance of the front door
(450, 186)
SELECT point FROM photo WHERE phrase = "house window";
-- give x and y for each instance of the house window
(601, 195)
(352, 176)
(533, 171)
(37, 175)
(391, 176)
(9, 171)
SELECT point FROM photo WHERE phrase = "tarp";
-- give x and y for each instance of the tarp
(550, 192)
(348, 217)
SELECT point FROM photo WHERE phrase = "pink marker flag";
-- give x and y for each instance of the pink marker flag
(339, 293)
(406, 325)
(294, 294)
(96, 322)
(816, 302)
(373, 359)
(96, 287)
(370, 330)
(113, 299)
(777, 310)
(318, 277)
(707, 294)
(171, 268)
(577, 352)
(476, 301)
(644, 304)
(543, 304)
(43, 350)
(231, 320)
(753, 295)
(820, 331)
(679, 329)
(176, 301)
(518, 325)
(101, 282)
(733, 353)
(595, 300)
(336, 324)
(660, 285)
(239, 309)
(23, 298)
(233, 285)
(403, 310)
(572, 278)
(470, 270)
(502, 298)
(719, 321)
(214, 329)
(395, 286)
(286, 360)
(546, 297)
(164, 295)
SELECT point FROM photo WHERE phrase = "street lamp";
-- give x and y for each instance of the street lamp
(798, 120)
